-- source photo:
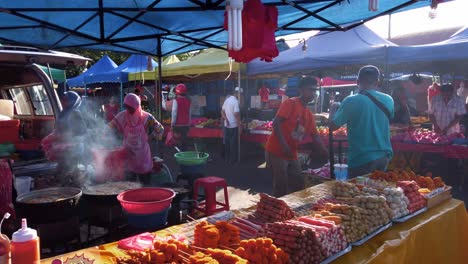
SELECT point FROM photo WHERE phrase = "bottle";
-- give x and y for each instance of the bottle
(25, 245)
(4, 244)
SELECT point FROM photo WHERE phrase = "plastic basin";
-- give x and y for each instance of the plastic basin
(189, 158)
(148, 200)
(147, 221)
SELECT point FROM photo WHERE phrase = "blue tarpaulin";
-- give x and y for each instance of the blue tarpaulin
(454, 48)
(359, 45)
(164, 27)
(135, 63)
(105, 64)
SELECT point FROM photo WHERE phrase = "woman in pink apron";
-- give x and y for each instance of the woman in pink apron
(137, 127)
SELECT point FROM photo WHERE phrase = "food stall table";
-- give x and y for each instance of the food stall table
(439, 235)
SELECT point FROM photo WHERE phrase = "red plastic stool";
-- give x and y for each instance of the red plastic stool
(211, 205)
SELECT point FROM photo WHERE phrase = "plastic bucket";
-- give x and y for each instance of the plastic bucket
(192, 169)
(190, 158)
(23, 184)
(147, 221)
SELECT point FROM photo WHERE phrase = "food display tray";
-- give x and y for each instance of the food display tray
(407, 217)
(336, 255)
(371, 235)
(260, 132)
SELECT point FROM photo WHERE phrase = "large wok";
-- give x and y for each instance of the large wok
(101, 205)
(49, 205)
(106, 193)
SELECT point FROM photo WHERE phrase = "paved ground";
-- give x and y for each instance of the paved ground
(245, 179)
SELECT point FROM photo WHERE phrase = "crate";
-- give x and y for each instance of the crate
(446, 194)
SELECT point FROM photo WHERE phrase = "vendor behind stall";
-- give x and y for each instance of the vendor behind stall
(70, 122)
(181, 114)
(292, 122)
(446, 111)
(137, 127)
(111, 109)
(402, 109)
(65, 143)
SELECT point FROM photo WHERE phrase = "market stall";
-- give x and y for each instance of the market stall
(388, 238)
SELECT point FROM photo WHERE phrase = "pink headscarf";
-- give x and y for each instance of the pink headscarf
(133, 101)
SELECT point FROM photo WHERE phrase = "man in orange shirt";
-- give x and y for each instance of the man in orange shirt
(292, 122)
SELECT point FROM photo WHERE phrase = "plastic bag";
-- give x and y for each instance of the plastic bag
(172, 138)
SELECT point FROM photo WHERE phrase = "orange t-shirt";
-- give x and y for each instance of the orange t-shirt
(298, 121)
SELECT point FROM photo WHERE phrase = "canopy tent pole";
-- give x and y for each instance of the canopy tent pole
(159, 88)
(65, 81)
(121, 96)
(240, 128)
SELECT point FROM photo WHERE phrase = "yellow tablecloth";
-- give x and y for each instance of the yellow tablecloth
(439, 235)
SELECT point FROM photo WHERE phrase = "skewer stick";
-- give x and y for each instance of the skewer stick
(228, 248)
(199, 248)
(191, 218)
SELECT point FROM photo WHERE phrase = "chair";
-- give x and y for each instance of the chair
(210, 205)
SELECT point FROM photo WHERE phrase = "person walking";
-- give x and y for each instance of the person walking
(292, 122)
(230, 113)
(367, 116)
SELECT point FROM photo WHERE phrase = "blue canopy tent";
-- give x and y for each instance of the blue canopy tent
(135, 63)
(162, 28)
(326, 50)
(105, 64)
(454, 48)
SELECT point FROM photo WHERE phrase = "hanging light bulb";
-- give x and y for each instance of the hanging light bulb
(433, 11)
(304, 45)
(234, 11)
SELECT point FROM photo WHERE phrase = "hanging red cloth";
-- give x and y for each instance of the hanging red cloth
(259, 24)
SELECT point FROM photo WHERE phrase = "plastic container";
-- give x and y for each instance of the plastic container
(341, 172)
(191, 158)
(25, 245)
(23, 184)
(192, 169)
(148, 221)
(147, 200)
(6, 108)
(5, 248)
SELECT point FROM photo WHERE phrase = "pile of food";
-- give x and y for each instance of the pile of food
(397, 201)
(375, 210)
(425, 136)
(395, 176)
(170, 251)
(222, 233)
(415, 200)
(206, 123)
(260, 125)
(345, 190)
(261, 250)
(271, 209)
(340, 132)
(351, 217)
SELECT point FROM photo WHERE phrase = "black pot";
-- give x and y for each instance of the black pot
(49, 205)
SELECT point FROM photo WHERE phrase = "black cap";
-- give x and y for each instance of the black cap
(369, 74)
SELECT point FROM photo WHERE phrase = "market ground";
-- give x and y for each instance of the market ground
(250, 177)
(245, 180)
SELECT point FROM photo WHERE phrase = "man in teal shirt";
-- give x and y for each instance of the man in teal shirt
(367, 116)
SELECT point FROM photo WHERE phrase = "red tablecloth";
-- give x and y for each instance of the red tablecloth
(456, 152)
(195, 132)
